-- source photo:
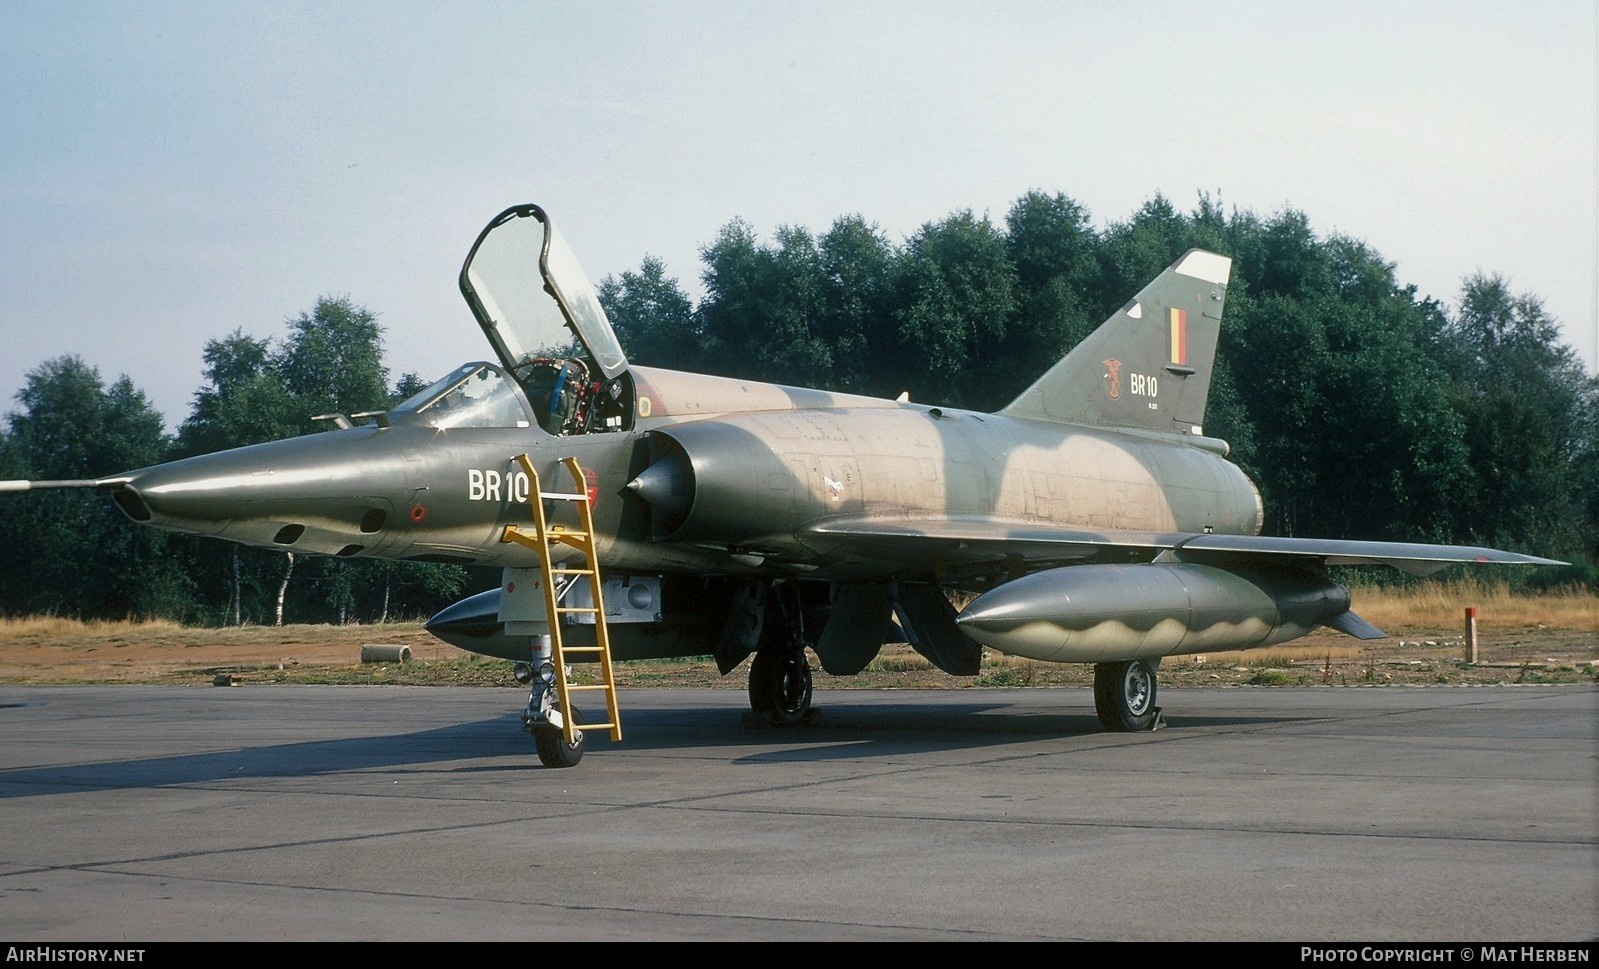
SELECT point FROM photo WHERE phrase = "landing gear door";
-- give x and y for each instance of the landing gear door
(536, 305)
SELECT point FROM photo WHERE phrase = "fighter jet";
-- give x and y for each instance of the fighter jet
(645, 513)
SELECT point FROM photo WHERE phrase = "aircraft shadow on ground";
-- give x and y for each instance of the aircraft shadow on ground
(840, 730)
(854, 731)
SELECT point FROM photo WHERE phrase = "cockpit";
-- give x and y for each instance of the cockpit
(567, 398)
(558, 395)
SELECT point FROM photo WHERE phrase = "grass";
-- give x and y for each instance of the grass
(1548, 637)
(34, 628)
(95, 632)
(1443, 605)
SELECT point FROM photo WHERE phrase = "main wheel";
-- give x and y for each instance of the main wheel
(553, 749)
(780, 685)
(1124, 695)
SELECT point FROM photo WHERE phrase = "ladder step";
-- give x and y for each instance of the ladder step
(571, 571)
(587, 687)
(558, 495)
(582, 649)
(576, 609)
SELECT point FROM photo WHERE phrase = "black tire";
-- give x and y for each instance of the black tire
(780, 685)
(553, 749)
(1124, 695)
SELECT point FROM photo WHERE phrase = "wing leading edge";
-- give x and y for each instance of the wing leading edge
(972, 540)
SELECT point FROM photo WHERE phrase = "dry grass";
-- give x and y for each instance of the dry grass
(1443, 605)
(1431, 613)
(1523, 639)
(160, 633)
(54, 627)
(1276, 657)
(50, 649)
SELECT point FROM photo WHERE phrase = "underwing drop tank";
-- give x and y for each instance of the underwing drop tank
(1107, 613)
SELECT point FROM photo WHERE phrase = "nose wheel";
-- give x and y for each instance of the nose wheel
(544, 720)
(553, 749)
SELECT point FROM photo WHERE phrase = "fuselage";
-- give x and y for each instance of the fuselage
(727, 476)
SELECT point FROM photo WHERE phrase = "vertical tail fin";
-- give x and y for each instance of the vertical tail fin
(1148, 365)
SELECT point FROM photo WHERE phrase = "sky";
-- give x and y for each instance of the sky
(171, 172)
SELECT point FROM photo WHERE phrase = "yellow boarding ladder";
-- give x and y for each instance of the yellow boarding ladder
(543, 540)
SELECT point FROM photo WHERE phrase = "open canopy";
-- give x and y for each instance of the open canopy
(545, 322)
(533, 299)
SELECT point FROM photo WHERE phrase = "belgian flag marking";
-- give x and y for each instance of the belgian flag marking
(1179, 335)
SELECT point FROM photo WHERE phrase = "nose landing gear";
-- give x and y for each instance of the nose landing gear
(545, 720)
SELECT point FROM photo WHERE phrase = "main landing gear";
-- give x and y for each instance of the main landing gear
(780, 685)
(780, 673)
(1124, 695)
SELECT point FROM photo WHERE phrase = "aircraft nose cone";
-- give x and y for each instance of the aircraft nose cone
(214, 489)
(326, 493)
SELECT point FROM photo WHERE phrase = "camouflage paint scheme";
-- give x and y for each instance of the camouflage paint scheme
(1092, 517)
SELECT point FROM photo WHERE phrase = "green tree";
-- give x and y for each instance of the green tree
(72, 552)
(408, 386)
(1137, 250)
(1335, 366)
(407, 590)
(1279, 348)
(333, 360)
(1402, 455)
(956, 296)
(805, 311)
(1527, 405)
(734, 310)
(653, 317)
(792, 350)
(1056, 254)
(763, 305)
(856, 317)
(244, 400)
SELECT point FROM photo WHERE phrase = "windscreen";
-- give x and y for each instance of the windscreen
(475, 395)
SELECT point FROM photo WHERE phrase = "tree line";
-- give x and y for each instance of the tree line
(1361, 408)
(72, 553)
